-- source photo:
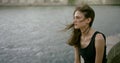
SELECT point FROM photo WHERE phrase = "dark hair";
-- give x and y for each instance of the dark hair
(76, 33)
(87, 11)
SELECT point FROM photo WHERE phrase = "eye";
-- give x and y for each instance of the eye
(76, 17)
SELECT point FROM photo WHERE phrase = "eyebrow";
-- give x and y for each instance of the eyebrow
(78, 16)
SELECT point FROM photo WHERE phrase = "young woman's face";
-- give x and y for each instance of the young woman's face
(79, 20)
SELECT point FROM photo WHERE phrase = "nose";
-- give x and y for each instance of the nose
(74, 21)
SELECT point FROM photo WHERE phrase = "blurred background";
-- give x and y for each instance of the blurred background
(30, 30)
(55, 2)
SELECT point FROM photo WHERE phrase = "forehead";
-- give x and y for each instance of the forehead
(78, 13)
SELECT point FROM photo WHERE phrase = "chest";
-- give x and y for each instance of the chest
(85, 42)
(87, 50)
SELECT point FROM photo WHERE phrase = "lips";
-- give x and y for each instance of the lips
(75, 24)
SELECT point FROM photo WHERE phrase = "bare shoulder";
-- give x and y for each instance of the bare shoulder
(99, 37)
(99, 40)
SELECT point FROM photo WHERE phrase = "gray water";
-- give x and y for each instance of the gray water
(32, 34)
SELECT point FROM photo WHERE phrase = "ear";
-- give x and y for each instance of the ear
(88, 20)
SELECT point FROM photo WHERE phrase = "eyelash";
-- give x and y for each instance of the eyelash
(76, 17)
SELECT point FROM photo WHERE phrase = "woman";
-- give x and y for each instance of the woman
(87, 42)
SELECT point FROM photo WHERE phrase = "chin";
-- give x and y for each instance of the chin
(76, 27)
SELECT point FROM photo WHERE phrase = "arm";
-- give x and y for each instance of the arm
(99, 45)
(76, 55)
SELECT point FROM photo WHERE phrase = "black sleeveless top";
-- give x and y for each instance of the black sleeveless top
(89, 52)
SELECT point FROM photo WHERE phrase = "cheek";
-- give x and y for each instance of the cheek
(80, 24)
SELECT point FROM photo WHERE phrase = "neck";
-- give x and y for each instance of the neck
(85, 30)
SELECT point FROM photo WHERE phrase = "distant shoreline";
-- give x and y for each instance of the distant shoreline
(56, 5)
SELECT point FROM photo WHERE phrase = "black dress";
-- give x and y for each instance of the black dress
(89, 52)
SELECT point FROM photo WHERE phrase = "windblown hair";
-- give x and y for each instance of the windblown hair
(88, 12)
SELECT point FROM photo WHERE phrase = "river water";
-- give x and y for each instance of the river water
(32, 34)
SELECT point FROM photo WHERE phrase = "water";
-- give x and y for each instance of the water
(32, 34)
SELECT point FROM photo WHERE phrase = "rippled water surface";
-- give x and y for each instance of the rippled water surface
(32, 34)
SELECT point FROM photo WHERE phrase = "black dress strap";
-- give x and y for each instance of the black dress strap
(93, 37)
